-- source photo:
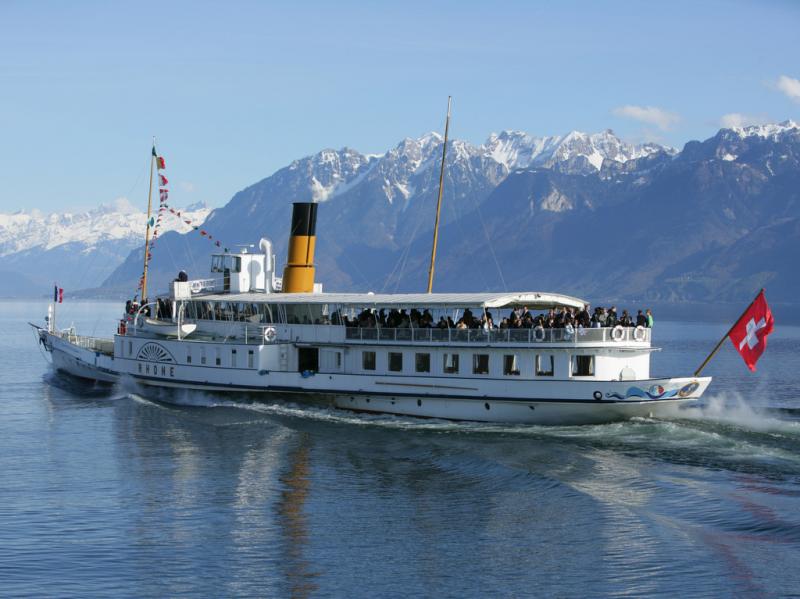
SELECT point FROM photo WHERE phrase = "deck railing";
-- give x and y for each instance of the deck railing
(535, 335)
(258, 333)
(105, 346)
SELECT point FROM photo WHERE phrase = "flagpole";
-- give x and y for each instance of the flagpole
(147, 231)
(721, 341)
(439, 201)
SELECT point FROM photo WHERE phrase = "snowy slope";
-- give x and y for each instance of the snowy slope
(28, 230)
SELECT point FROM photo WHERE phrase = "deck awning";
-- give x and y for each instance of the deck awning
(534, 300)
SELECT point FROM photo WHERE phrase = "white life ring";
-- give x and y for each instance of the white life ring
(639, 333)
(618, 333)
(270, 334)
(569, 331)
(536, 330)
(196, 286)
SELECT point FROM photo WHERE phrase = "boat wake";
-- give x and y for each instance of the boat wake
(725, 433)
(732, 409)
(728, 411)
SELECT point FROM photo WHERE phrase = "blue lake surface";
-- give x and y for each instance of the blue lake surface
(106, 493)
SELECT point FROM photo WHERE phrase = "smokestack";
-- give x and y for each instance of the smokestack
(298, 276)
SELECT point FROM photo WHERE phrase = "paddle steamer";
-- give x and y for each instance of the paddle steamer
(245, 329)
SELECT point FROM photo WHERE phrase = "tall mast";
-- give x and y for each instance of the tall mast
(147, 231)
(439, 201)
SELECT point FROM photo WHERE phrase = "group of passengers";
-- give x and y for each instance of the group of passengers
(566, 317)
(519, 318)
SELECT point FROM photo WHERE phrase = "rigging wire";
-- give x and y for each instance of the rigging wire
(489, 243)
(402, 259)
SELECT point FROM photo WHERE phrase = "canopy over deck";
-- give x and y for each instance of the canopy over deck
(534, 300)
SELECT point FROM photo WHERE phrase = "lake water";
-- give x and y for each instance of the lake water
(109, 494)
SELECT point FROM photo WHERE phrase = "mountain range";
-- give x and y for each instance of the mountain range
(584, 214)
(72, 249)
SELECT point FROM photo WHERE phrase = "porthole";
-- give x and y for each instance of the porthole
(419, 402)
(487, 406)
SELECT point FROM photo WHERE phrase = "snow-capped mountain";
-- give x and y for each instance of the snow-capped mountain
(119, 221)
(574, 151)
(561, 212)
(587, 214)
(77, 250)
(771, 131)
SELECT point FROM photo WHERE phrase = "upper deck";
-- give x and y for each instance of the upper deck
(361, 318)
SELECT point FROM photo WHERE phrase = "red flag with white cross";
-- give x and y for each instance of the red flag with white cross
(749, 334)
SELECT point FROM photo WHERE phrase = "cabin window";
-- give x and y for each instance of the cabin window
(511, 364)
(544, 365)
(221, 263)
(368, 360)
(202, 355)
(233, 358)
(218, 357)
(395, 361)
(250, 358)
(480, 363)
(422, 362)
(189, 356)
(308, 359)
(450, 363)
(130, 348)
(582, 365)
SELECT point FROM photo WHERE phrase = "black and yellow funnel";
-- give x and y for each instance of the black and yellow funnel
(298, 276)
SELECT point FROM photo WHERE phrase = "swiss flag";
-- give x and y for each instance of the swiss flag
(749, 334)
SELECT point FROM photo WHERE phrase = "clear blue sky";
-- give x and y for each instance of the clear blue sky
(235, 90)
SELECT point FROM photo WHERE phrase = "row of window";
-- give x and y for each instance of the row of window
(234, 357)
(543, 363)
(233, 363)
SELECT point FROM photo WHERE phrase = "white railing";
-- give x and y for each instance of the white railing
(535, 335)
(259, 333)
(105, 346)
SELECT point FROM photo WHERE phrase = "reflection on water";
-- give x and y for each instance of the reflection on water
(111, 492)
(292, 517)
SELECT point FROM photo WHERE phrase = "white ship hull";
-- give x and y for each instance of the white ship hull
(555, 410)
(72, 355)
(516, 412)
(562, 402)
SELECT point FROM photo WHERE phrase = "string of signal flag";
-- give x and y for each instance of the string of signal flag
(165, 208)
